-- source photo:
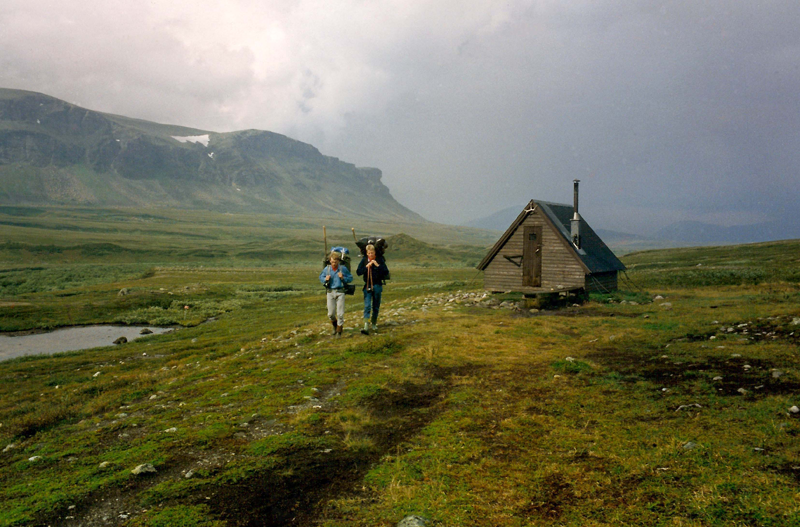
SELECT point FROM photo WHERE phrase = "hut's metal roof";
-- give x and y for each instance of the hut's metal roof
(594, 254)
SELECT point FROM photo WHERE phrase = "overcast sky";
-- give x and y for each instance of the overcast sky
(665, 110)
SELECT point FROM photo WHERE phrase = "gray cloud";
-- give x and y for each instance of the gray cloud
(666, 110)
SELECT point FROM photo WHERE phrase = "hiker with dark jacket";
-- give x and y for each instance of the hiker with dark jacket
(333, 277)
(374, 271)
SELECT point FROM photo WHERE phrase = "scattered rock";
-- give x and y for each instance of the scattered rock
(189, 474)
(717, 378)
(145, 468)
(121, 340)
(122, 292)
(666, 305)
(413, 521)
(742, 391)
(10, 446)
(658, 297)
(35, 458)
(776, 374)
(104, 464)
(794, 410)
(689, 446)
(145, 331)
(171, 430)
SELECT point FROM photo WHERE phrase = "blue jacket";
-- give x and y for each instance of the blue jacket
(335, 282)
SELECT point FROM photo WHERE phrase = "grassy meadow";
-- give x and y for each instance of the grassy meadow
(665, 403)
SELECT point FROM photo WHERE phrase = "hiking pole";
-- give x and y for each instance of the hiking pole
(325, 238)
(354, 234)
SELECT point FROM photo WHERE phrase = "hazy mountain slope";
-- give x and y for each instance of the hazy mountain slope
(497, 221)
(52, 152)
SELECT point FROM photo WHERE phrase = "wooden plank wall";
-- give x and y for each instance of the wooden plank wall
(560, 268)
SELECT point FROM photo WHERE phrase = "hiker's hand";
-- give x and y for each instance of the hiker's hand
(341, 275)
(327, 278)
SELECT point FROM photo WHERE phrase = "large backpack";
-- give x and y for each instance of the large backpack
(378, 242)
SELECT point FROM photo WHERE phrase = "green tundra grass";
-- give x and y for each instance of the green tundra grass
(669, 402)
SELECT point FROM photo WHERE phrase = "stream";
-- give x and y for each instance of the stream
(70, 339)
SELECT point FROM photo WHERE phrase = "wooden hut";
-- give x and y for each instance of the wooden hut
(550, 248)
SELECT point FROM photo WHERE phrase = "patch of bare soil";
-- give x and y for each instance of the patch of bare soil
(295, 493)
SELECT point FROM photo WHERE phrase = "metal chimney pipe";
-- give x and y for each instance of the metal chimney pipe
(575, 223)
(575, 200)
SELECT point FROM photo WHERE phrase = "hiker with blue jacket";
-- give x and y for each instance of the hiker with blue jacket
(333, 277)
(374, 271)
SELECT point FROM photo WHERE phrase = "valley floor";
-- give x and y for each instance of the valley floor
(676, 406)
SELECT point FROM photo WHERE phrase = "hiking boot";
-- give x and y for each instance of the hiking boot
(339, 330)
(365, 331)
(374, 327)
(335, 325)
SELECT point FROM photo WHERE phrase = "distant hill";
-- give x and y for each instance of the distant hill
(56, 153)
(403, 247)
(498, 221)
(706, 234)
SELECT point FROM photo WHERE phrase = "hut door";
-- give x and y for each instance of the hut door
(532, 257)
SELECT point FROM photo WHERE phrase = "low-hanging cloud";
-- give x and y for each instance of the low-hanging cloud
(667, 110)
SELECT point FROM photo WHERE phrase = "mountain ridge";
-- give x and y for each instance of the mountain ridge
(53, 152)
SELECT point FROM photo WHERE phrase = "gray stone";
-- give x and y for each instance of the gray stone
(794, 410)
(121, 340)
(104, 464)
(689, 446)
(145, 468)
(145, 331)
(413, 521)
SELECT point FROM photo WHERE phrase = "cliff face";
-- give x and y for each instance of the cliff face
(52, 152)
